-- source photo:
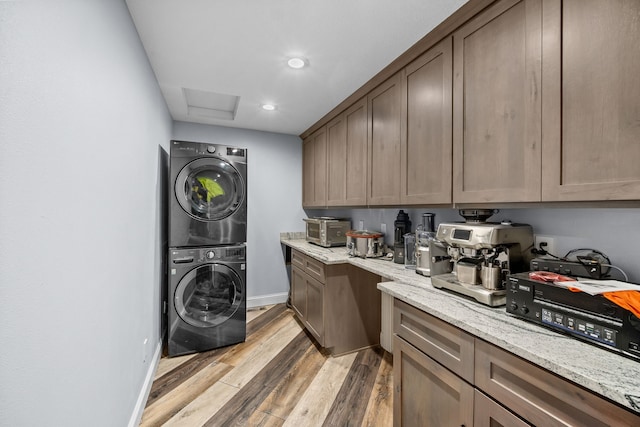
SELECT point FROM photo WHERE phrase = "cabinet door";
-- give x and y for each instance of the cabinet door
(299, 292)
(497, 121)
(356, 183)
(384, 141)
(314, 169)
(315, 309)
(347, 157)
(426, 152)
(308, 166)
(488, 413)
(336, 161)
(591, 111)
(426, 393)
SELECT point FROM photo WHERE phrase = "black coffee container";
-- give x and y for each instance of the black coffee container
(402, 225)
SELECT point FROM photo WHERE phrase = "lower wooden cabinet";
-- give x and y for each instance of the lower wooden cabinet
(432, 386)
(425, 392)
(339, 304)
(307, 296)
(299, 292)
(540, 397)
(488, 413)
(315, 309)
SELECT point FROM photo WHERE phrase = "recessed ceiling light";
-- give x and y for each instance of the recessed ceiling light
(297, 62)
(268, 107)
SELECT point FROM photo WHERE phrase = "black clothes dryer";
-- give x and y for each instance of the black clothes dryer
(208, 200)
(207, 298)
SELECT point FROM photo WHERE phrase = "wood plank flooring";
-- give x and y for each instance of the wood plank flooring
(278, 377)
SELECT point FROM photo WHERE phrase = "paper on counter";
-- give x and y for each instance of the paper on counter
(596, 287)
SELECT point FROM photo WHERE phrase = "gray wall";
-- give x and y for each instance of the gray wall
(82, 126)
(613, 231)
(274, 201)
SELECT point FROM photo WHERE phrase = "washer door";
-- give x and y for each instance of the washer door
(208, 295)
(209, 189)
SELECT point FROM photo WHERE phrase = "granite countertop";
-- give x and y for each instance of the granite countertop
(601, 371)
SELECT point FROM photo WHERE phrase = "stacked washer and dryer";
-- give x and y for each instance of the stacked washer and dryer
(207, 246)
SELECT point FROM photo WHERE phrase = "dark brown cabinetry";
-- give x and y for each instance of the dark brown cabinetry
(307, 293)
(347, 157)
(426, 354)
(338, 303)
(539, 396)
(426, 393)
(497, 129)
(314, 170)
(427, 117)
(488, 413)
(445, 376)
(591, 109)
(385, 130)
(545, 107)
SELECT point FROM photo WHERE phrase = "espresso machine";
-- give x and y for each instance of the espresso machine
(473, 258)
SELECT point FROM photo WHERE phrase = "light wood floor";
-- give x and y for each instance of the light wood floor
(278, 377)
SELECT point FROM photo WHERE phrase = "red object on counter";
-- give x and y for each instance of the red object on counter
(547, 276)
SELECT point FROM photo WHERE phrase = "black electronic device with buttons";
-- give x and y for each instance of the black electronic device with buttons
(592, 318)
(584, 268)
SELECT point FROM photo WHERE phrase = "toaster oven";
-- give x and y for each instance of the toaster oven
(327, 231)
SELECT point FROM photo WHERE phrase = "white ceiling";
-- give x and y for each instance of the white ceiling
(240, 48)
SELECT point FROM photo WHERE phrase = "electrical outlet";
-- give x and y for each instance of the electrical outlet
(545, 242)
(361, 225)
(383, 228)
(144, 350)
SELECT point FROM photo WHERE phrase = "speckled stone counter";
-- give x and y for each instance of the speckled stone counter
(598, 370)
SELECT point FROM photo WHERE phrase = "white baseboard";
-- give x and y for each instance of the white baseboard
(270, 299)
(136, 416)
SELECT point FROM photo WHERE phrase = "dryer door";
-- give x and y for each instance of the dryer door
(208, 295)
(209, 189)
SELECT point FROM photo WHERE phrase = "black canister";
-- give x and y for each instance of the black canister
(402, 225)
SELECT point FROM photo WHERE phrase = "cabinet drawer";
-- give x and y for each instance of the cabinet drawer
(315, 269)
(539, 396)
(297, 259)
(444, 343)
(312, 267)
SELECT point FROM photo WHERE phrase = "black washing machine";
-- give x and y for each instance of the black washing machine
(208, 201)
(207, 298)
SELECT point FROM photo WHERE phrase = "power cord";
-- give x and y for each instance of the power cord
(592, 256)
(542, 251)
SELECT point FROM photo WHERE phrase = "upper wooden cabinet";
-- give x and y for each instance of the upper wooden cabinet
(497, 105)
(347, 157)
(384, 142)
(426, 148)
(314, 169)
(591, 104)
(525, 101)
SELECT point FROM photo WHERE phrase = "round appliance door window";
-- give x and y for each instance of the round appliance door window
(208, 295)
(209, 189)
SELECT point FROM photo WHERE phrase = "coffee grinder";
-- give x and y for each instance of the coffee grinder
(402, 226)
